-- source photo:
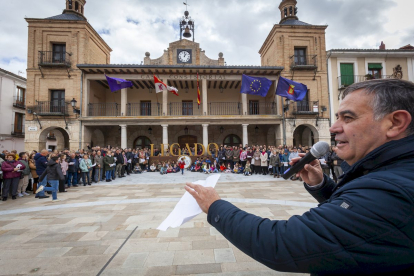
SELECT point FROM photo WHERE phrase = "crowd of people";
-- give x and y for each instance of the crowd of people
(54, 171)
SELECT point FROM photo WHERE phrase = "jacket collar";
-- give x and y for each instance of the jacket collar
(386, 154)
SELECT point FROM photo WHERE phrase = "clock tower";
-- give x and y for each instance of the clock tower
(184, 51)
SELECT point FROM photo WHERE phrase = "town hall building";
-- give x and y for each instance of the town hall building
(69, 100)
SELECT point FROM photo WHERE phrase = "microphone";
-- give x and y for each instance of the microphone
(317, 151)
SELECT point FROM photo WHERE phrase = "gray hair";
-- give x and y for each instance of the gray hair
(389, 95)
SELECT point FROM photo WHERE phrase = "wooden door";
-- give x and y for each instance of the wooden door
(187, 139)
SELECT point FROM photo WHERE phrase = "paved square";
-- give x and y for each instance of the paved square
(81, 233)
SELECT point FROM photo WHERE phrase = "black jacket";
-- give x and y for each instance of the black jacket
(53, 171)
(119, 158)
(75, 167)
(363, 225)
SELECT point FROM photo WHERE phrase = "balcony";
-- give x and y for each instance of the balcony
(52, 108)
(306, 108)
(144, 109)
(185, 109)
(303, 62)
(345, 80)
(54, 59)
(104, 109)
(19, 102)
(260, 108)
(17, 130)
(225, 108)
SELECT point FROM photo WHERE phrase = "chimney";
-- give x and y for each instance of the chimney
(382, 46)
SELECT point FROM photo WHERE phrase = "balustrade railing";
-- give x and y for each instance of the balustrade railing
(262, 108)
(306, 107)
(144, 109)
(50, 58)
(54, 107)
(104, 109)
(185, 109)
(303, 61)
(346, 80)
(225, 108)
(19, 102)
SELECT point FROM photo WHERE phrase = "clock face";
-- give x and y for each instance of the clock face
(184, 56)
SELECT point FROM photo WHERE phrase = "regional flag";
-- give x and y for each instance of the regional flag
(160, 86)
(198, 92)
(116, 84)
(255, 86)
(290, 89)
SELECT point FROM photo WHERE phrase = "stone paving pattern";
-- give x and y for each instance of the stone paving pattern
(59, 239)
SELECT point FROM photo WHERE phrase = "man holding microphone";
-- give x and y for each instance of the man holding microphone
(365, 223)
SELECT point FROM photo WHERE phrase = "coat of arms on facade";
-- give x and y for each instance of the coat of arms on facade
(397, 72)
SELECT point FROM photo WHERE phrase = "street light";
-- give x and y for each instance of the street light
(73, 102)
(256, 129)
(186, 130)
(150, 130)
(221, 129)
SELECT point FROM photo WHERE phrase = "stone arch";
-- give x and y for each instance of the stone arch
(61, 135)
(228, 131)
(191, 132)
(144, 139)
(133, 136)
(305, 135)
(97, 138)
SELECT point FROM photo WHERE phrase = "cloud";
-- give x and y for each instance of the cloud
(237, 28)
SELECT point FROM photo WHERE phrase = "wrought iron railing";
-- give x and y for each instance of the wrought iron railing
(346, 80)
(54, 107)
(104, 109)
(262, 108)
(185, 109)
(225, 108)
(19, 102)
(304, 62)
(50, 58)
(144, 109)
(17, 130)
(306, 107)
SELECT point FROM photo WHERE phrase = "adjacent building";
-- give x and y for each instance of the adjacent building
(69, 98)
(348, 66)
(300, 49)
(12, 111)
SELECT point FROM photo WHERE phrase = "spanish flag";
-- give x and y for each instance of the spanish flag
(198, 92)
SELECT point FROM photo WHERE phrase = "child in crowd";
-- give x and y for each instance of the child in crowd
(152, 167)
(137, 169)
(170, 169)
(228, 170)
(176, 169)
(247, 169)
(236, 168)
(163, 168)
(222, 167)
(181, 165)
(206, 168)
(159, 166)
(197, 167)
(213, 168)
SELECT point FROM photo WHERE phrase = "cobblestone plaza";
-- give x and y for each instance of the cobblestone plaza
(111, 228)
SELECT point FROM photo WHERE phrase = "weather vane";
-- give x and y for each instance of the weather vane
(186, 5)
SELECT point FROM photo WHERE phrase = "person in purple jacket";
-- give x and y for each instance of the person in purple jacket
(11, 175)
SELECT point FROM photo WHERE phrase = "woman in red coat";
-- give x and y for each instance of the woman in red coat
(11, 175)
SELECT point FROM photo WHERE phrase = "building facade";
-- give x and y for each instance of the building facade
(299, 47)
(70, 98)
(12, 111)
(348, 66)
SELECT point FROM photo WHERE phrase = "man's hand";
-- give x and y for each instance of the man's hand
(312, 173)
(204, 196)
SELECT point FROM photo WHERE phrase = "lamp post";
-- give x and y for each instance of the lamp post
(285, 109)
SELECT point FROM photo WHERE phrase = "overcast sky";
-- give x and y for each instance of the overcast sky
(237, 28)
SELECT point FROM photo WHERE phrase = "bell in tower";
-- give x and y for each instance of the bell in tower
(186, 26)
(75, 6)
(288, 10)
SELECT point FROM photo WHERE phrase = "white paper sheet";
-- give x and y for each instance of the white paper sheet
(187, 208)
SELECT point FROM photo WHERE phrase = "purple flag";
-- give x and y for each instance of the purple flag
(116, 84)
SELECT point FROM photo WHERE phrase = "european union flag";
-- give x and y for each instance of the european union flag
(255, 86)
(116, 84)
(290, 89)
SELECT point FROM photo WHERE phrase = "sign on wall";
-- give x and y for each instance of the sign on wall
(32, 128)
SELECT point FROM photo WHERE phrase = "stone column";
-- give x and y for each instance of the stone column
(245, 134)
(123, 136)
(244, 105)
(165, 99)
(165, 136)
(204, 96)
(124, 101)
(205, 136)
